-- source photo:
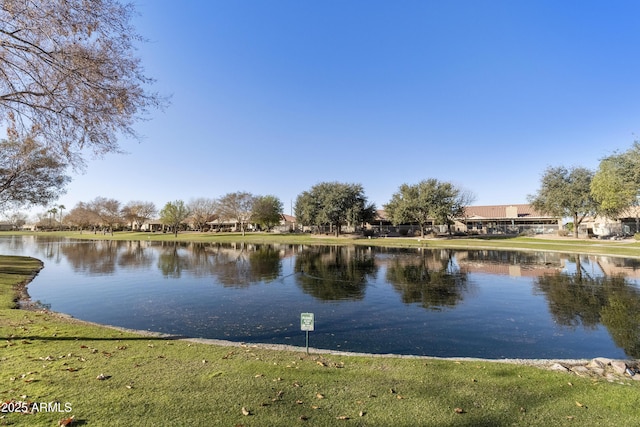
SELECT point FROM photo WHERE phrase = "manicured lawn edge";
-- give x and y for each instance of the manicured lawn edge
(51, 360)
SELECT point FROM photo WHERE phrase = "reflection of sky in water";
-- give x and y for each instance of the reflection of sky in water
(192, 293)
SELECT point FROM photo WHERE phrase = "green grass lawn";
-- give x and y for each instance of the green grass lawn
(53, 361)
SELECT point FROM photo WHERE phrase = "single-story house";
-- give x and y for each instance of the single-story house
(221, 224)
(506, 219)
(153, 225)
(287, 224)
(493, 219)
(627, 223)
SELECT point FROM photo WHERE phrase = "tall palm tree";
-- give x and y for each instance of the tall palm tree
(53, 212)
(61, 207)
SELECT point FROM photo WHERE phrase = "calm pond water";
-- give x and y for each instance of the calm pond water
(491, 304)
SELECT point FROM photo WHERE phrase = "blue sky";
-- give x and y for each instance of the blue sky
(272, 97)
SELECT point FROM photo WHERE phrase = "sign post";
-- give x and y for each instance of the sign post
(306, 324)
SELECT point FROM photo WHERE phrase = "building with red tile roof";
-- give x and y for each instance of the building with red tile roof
(490, 219)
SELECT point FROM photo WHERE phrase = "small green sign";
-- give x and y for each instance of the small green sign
(306, 321)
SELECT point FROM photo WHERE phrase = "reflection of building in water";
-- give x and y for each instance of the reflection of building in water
(431, 259)
(515, 264)
(612, 266)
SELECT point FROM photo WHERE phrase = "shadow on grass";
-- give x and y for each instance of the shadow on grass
(140, 338)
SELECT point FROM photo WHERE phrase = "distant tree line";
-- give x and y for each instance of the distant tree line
(575, 193)
(107, 214)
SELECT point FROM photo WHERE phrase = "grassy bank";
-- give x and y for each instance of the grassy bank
(55, 363)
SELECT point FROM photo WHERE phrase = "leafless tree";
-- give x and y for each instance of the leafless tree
(82, 217)
(137, 212)
(202, 210)
(17, 219)
(108, 211)
(236, 206)
(69, 74)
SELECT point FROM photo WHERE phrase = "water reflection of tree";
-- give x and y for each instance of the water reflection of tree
(429, 278)
(134, 254)
(103, 257)
(265, 263)
(580, 299)
(93, 257)
(240, 265)
(491, 256)
(173, 260)
(332, 273)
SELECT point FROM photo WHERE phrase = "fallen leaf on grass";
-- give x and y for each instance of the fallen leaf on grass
(299, 402)
(304, 417)
(320, 396)
(342, 417)
(459, 411)
(580, 404)
(66, 421)
(103, 377)
(245, 412)
(362, 413)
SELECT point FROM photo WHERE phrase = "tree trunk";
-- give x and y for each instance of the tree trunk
(575, 225)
